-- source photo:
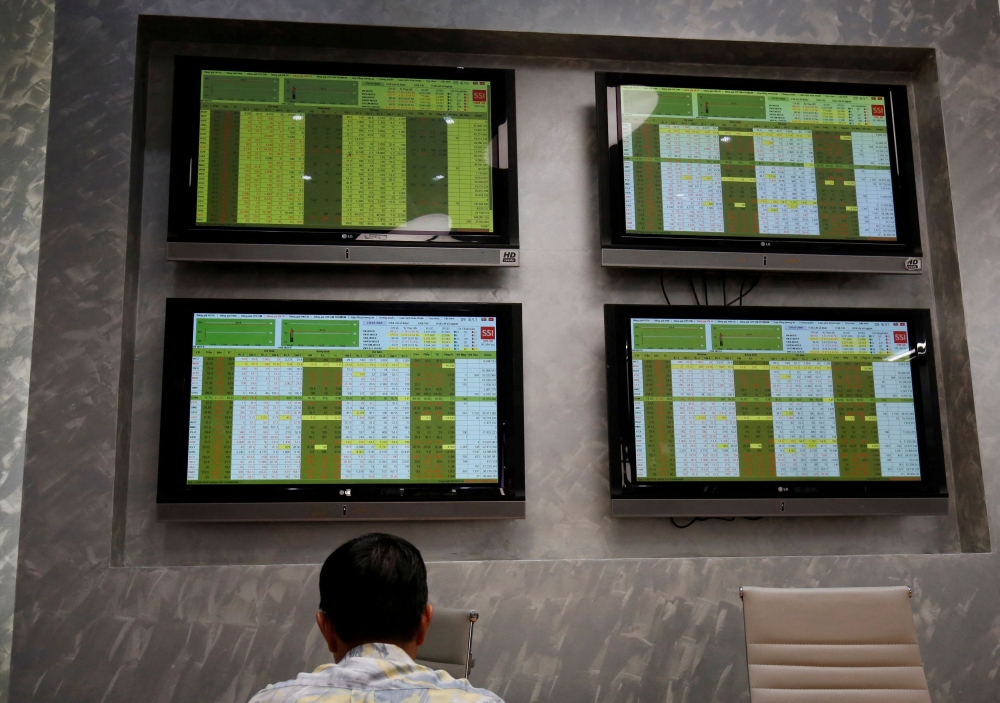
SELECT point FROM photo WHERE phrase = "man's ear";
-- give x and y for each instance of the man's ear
(325, 626)
(425, 623)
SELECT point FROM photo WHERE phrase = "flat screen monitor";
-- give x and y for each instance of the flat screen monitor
(725, 173)
(772, 411)
(341, 410)
(342, 163)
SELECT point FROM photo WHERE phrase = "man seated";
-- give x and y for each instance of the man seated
(373, 614)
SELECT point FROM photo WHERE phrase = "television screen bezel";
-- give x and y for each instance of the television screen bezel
(172, 486)
(621, 432)
(181, 226)
(612, 184)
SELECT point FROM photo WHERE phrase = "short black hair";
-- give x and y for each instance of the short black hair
(374, 589)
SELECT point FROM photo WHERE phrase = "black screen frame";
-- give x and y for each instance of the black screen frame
(181, 225)
(621, 432)
(172, 486)
(611, 179)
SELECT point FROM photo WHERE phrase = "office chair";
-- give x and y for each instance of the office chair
(835, 645)
(449, 642)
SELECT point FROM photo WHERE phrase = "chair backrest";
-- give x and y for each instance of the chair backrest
(840, 645)
(449, 642)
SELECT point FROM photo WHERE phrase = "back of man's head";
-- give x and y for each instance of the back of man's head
(374, 589)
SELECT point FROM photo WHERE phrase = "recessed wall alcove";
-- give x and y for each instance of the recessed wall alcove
(561, 285)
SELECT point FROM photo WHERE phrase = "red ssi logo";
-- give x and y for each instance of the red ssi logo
(899, 337)
(491, 333)
(479, 96)
(878, 110)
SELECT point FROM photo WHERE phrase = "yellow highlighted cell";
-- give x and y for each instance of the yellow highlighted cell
(448, 418)
(320, 418)
(851, 208)
(376, 442)
(263, 417)
(447, 365)
(756, 446)
(425, 418)
(320, 447)
(739, 204)
(447, 446)
(873, 445)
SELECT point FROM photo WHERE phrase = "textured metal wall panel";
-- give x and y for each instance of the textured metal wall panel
(575, 605)
(25, 76)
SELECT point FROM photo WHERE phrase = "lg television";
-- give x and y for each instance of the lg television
(727, 173)
(342, 163)
(330, 410)
(720, 411)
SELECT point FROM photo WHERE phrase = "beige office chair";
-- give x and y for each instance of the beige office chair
(835, 645)
(449, 642)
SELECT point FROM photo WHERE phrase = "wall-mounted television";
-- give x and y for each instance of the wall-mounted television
(728, 173)
(342, 163)
(328, 410)
(722, 411)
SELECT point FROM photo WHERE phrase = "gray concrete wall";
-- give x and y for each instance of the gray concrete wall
(25, 75)
(575, 605)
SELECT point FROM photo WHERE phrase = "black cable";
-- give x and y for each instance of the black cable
(662, 288)
(738, 298)
(701, 519)
(752, 286)
(744, 293)
(704, 285)
(694, 292)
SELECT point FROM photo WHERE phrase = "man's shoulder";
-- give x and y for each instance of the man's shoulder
(340, 684)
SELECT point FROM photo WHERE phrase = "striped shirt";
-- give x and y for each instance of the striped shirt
(375, 673)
